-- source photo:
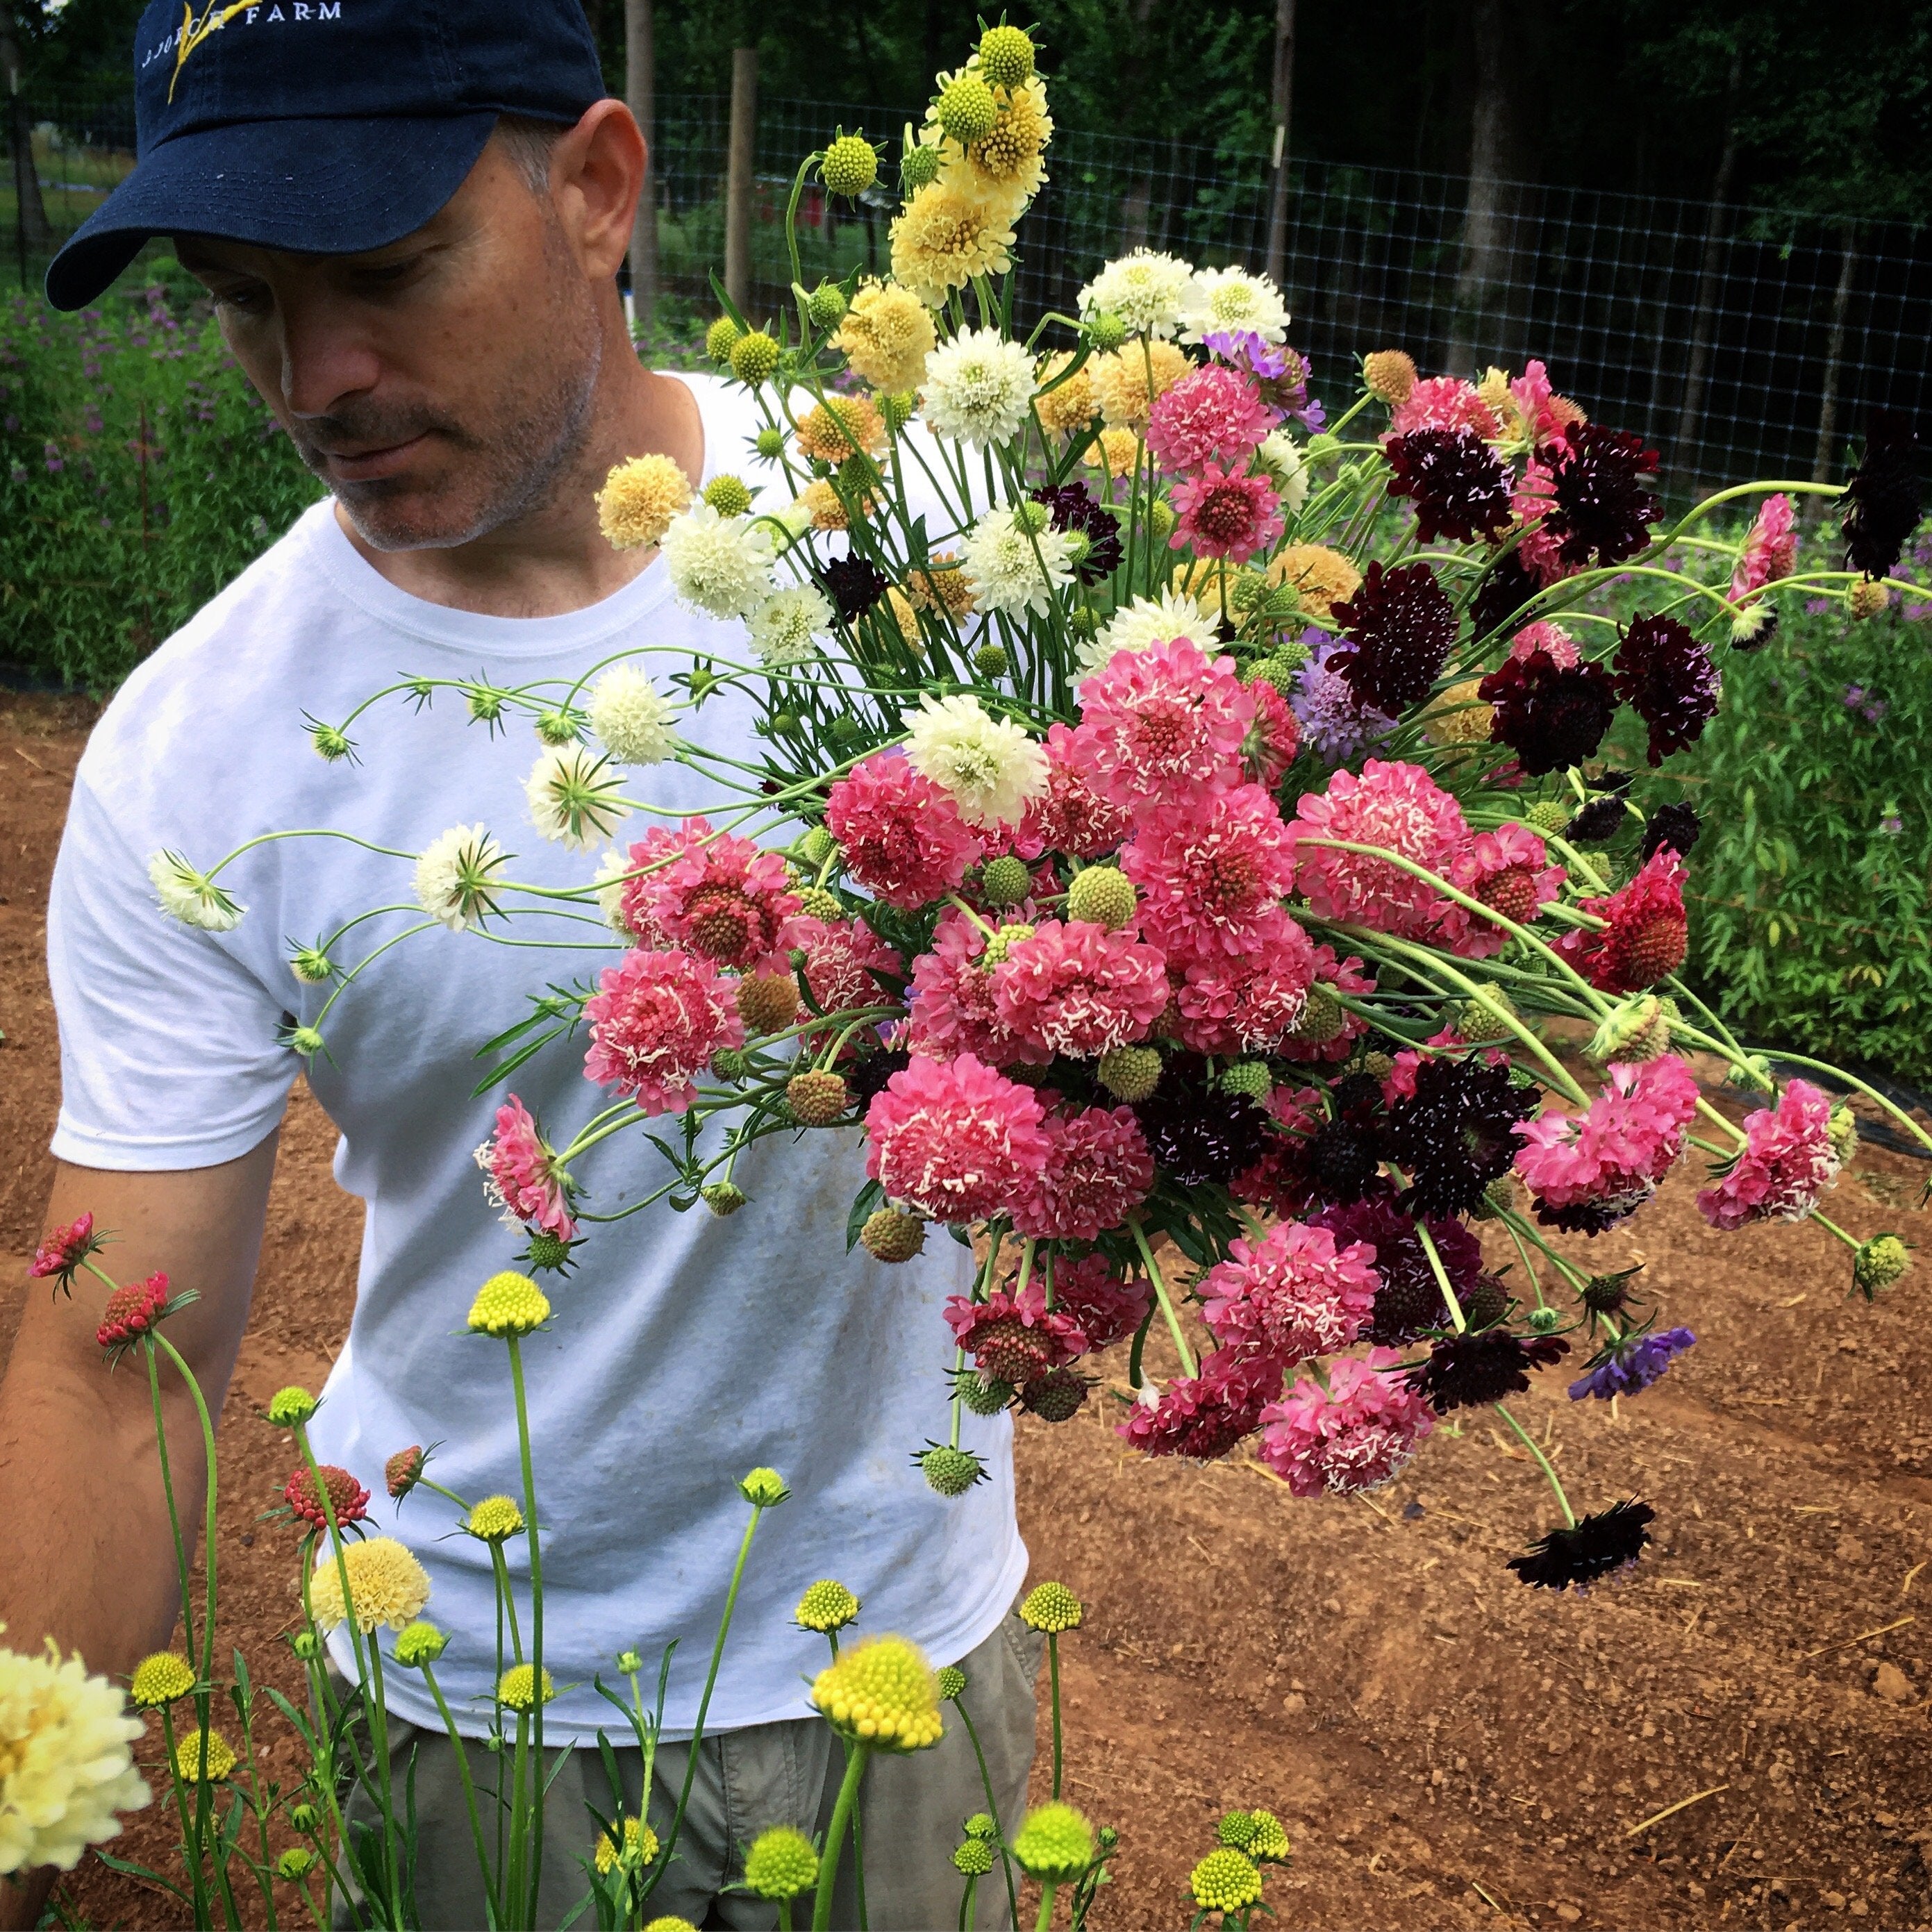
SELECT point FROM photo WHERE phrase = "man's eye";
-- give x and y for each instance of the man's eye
(387, 274)
(243, 298)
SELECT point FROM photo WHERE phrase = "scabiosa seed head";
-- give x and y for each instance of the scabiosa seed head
(520, 1689)
(1879, 1263)
(851, 166)
(890, 1236)
(950, 1472)
(1593, 1548)
(1248, 1077)
(1866, 599)
(826, 1607)
(1054, 1844)
(1058, 1395)
(966, 108)
(1390, 375)
(1323, 1017)
(990, 660)
(418, 1644)
(162, 1678)
(508, 1304)
(754, 357)
(1051, 1608)
(205, 1756)
(297, 1862)
(290, 1408)
(1225, 1881)
(818, 1098)
(1397, 630)
(639, 1850)
(780, 1863)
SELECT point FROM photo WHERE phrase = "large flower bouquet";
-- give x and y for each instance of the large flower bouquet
(1181, 840)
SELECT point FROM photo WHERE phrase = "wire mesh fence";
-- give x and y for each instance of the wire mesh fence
(1740, 341)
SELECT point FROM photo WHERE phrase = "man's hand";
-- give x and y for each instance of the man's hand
(85, 1553)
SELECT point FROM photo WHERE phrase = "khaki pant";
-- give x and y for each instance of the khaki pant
(912, 1808)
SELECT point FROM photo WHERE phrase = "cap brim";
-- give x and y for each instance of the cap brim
(311, 187)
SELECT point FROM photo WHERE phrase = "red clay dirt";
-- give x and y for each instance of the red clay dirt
(1448, 1748)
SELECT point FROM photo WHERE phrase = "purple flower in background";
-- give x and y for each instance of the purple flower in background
(1630, 1365)
(1892, 825)
(1324, 704)
(55, 462)
(1242, 349)
(1817, 607)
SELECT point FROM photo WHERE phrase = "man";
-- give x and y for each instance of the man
(424, 292)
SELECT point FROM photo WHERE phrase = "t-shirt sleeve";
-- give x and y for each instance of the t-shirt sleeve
(171, 1055)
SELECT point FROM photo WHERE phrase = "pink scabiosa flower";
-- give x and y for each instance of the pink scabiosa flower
(901, 835)
(955, 1007)
(1072, 815)
(1540, 550)
(1015, 1338)
(1165, 723)
(1330, 970)
(133, 1309)
(1646, 931)
(1788, 1161)
(61, 1253)
(1272, 739)
(1355, 1435)
(1552, 640)
(1545, 414)
(1445, 402)
(955, 1141)
(842, 957)
(1225, 513)
(722, 897)
(1204, 1416)
(348, 1500)
(1098, 1170)
(1607, 1162)
(523, 1176)
(655, 1025)
(1770, 550)
(1211, 875)
(1395, 805)
(1291, 1294)
(1508, 869)
(1104, 1308)
(1215, 413)
(1249, 1003)
(1078, 989)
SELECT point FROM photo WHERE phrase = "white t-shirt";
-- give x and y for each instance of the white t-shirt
(685, 1350)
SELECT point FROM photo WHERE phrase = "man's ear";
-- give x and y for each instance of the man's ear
(597, 173)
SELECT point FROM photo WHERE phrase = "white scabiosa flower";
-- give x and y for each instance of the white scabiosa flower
(630, 718)
(1234, 300)
(721, 565)
(785, 629)
(612, 875)
(576, 795)
(1146, 621)
(65, 1766)
(989, 765)
(1012, 569)
(1146, 291)
(1280, 457)
(457, 875)
(979, 388)
(191, 897)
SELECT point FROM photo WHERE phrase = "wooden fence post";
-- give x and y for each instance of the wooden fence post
(738, 177)
(640, 94)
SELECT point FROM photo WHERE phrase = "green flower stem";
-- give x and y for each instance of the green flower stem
(308, 1899)
(1518, 1227)
(1528, 1266)
(857, 1753)
(859, 1857)
(536, 1623)
(1730, 1126)
(181, 1570)
(1045, 1919)
(513, 1880)
(191, 1850)
(304, 832)
(992, 1808)
(966, 1904)
(378, 1726)
(469, 1794)
(704, 1702)
(1053, 1674)
(1188, 1367)
(1441, 1273)
(506, 1604)
(1542, 1462)
(1831, 1227)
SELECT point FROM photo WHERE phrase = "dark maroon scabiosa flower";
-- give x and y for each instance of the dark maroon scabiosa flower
(1666, 677)
(1589, 1217)
(1397, 632)
(1550, 718)
(1599, 821)
(1196, 1132)
(1056, 1396)
(1344, 1158)
(1883, 497)
(1457, 1133)
(1600, 510)
(1072, 506)
(1674, 826)
(854, 585)
(865, 1077)
(1460, 486)
(1470, 1371)
(1587, 1551)
(1409, 1302)
(1509, 586)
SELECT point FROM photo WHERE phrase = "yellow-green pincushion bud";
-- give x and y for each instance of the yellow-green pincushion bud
(720, 339)
(1005, 881)
(1129, 1073)
(881, 1692)
(1629, 1024)
(1032, 517)
(1879, 1263)
(1051, 1608)
(1547, 815)
(1003, 941)
(973, 1858)
(311, 965)
(1250, 1077)
(297, 1861)
(991, 661)
(1105, 331)
(891, 1236)
(1267, 1839)
(817, 903)
(950, 1472)
(419, 1643)
(1322, 1017)
(517, 1688)
(1225, 1880)
(1054, 1844)
(1102, 895)
(769, 443)
(495, 1519)
(162, 1678)
(982, 1824)
(918, 166)
(817, 845)
(670, 1922)
(754, 357)
(303, 1817)
(290, 1408)
(951, 1683)
(1006, 55)
(763, 1489)
(508, 1303)
(826, 306)
(729, 496)
(724, 1197)
(1235, 1829)
(332, 741)
(781, 1863)
(966, 108)
(640, 1852)
(851, 166)
(826, 1607)
(1160, 518)
(1843, 1132)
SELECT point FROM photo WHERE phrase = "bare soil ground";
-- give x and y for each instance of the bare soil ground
(1448, 1748)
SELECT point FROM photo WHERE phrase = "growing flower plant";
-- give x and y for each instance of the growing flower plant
(1177, 846)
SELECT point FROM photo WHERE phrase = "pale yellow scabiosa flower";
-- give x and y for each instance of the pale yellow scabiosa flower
(719, 565)
(947, 234)
(990, 767)
(887, 335)
(630, 718)
(979, 388)
(389, 1585)
(638, 500)
(1147, 289)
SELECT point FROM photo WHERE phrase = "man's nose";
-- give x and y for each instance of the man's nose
(327, 359)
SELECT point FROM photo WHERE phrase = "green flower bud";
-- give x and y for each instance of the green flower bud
(754, 357)
(1054, 1845)
(729, 496)
(1006, 55)
(770, 444)
(723, 1198)
(1005, 881)
(849, 167)
(764, 1488)
(966, 109)
(290, 1408)
(1104, 332)
(1879, 1263)
(990, 660)
(950, 1472)
(720, 339)
(826, 306)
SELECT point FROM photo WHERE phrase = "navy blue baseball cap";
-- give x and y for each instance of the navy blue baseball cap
(325, 127)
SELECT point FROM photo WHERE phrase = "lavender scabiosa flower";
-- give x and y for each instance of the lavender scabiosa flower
(1631, 1365)
(1324, 704)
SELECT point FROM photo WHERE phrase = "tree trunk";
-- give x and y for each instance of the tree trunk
(1703, 325)
(1824, 461)
(35, 233)
(1485, 265)
(640, 93)
(738, 179)
(1284, 103)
